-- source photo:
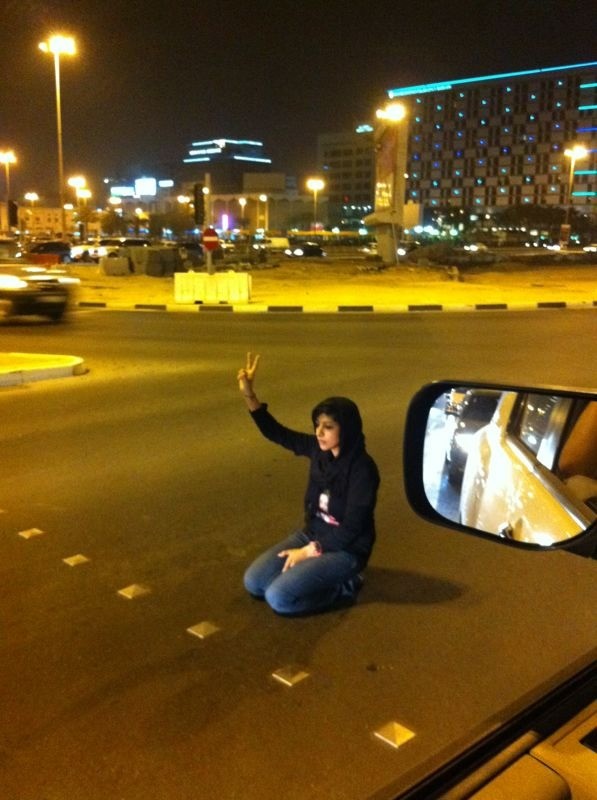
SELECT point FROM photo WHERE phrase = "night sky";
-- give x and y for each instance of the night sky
(151, 77)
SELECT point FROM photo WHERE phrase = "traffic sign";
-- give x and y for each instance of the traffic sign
(210, 239)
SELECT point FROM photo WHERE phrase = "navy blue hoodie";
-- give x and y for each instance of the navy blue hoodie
(341, 492)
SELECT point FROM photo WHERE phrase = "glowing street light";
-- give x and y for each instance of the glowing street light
(242, 201)
(57, 46)
(574, 153)
(390, 185)
(393, 112)
(7, 157)
(315, 185)
(78, 182)
(83, 194)
(263, 198)
(32, 197)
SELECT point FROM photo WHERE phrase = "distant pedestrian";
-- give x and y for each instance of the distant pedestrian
(318, 566)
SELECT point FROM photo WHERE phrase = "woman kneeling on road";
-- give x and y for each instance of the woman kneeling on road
(318, 566)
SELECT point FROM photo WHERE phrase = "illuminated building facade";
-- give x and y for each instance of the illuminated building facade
(347, 165)
(226, 161)
(497, 141)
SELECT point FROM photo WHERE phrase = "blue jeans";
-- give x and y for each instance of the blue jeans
(312, 585)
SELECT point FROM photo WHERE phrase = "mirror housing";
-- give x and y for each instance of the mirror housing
(513, 464)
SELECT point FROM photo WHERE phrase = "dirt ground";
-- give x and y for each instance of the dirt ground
(328, 284)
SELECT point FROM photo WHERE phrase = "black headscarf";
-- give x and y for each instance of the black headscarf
(326, 470)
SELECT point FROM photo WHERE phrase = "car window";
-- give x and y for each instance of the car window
(539, 423)
(479, 406)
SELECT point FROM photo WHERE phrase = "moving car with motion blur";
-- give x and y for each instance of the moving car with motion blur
(34, 291)
(305, 250)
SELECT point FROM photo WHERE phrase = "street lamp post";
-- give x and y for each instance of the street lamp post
(242, 201)
(263, 198)
(390, 181)
(7, 157)
(32, 198)
(59, 45)
(573, 153)
(315, 185)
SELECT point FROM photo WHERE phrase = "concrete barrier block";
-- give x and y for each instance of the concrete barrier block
(138, 256)
(199, 287)
(184, 287)
(114, 266)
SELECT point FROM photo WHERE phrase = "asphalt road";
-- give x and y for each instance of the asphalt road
(149, 467)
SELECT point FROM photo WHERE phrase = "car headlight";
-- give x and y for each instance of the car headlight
(12, 282)
(401, 251)
(298, 252)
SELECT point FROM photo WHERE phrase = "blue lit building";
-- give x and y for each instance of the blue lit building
(496, 141)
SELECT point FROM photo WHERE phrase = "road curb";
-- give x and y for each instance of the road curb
(412, 308)
(19, 368)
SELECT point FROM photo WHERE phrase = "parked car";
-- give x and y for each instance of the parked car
(476, 409)
(305, 249)
(46, 252)
(108, 246)
(9, 247)
(27, 291)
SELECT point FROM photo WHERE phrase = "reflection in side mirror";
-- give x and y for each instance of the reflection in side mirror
(517, 463)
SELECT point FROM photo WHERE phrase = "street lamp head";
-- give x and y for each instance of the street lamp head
(78, 182)
(59, 45)
(7, 157)
(393, 112)
(576, 152)
(315, 184)
(32, 197)
(263, 198)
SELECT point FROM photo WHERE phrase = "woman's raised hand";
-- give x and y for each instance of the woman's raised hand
(246, 375)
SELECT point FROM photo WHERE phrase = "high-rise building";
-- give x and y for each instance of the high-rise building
(501, 140)
(226, 161)
(346, 161)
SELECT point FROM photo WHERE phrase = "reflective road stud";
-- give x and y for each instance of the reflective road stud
(31, 533)
(290, 675)
(394, 734)
(133, 591)
(74, 561)
(203, 629)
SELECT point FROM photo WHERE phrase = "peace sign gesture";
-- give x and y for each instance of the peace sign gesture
(246, 376)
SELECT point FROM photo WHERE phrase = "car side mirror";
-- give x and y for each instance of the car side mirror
(513, 464)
